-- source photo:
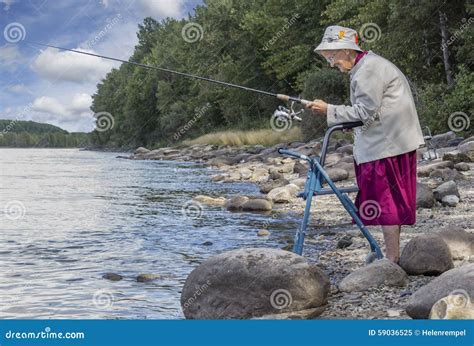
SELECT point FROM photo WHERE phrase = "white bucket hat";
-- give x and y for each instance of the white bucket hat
(339, 37)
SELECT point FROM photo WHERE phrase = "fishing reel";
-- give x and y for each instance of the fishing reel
(283, 113)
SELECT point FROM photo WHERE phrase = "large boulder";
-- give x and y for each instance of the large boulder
(446, 174)
(446, 189)
(468, 150)
(337, 174)
(460, 242)
(375, 274)
(246, 283)
(424, 196)
(141, 151)
(442, 139)
(426, 255)
(458, 280)
(235, 202)
(283, 194)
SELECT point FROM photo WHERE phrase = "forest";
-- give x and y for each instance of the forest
(268, 45)
(30, 134)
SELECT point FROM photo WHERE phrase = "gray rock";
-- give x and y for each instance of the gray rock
(453, 281)
(253, 282)
(456, 157)
(460, 242)
(337, 174)
(245, 173)
(445, 189)
(462, 166)
(468, 150)
(275, 175)
(236, 202)
(273, 184)
(425, 170)
(283, 194)
(375, 274)
(446, 174)
(301, 168)
(345, 149)
(344, 242)
(112, 276)
(450, 200)
(259, 204)
(442, 139)
(426, 255)
(424, 196)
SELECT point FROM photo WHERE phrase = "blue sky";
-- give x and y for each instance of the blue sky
(45, 85)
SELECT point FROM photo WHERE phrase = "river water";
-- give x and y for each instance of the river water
(67, 217)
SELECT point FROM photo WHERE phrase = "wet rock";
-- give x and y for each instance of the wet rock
(257, 205)
(446, 174)
(236, 202)
(425, 170)
(379, 272)
(456, 306)
(263, 233)
(141, 151)
(450, 200)
(337, 174)
(147, 277)
(455, 280)
(273, 184)
(462, 167)
(460, 242)
(253, 282)
(424, 196)
(112, 276)
(446, 189)
(207, 243)
(426, 255)
(283, 194)
(210, 200)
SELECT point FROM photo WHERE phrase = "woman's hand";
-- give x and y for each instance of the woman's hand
(318, 106)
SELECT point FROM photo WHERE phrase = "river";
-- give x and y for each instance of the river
(67, 217)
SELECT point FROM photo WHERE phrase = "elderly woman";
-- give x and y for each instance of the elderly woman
(385, 146)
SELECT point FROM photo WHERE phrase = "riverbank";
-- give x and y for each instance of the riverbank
(445, 193)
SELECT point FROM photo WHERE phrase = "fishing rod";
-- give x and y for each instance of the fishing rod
(280, 112)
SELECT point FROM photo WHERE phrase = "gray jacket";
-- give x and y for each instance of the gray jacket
(382, 100)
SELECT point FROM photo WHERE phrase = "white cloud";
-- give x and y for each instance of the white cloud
(46, 104)
(10, 55)
(81, 103)
(162, 8)
(57, 65)
(78, 106)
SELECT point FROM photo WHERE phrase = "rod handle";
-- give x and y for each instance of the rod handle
(287, 98)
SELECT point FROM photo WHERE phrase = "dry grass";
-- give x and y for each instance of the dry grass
(265, 137)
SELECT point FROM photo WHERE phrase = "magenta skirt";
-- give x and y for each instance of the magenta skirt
(387, 190)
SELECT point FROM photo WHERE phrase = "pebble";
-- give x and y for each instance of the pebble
(112, 276)
(263, 233)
